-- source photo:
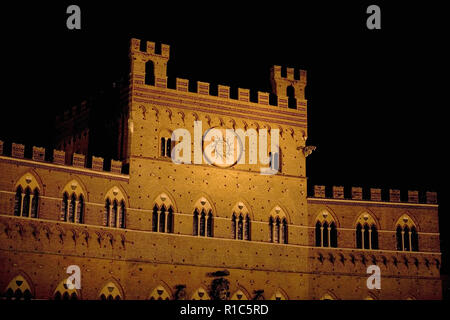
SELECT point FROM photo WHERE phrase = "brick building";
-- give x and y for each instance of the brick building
(143, 227)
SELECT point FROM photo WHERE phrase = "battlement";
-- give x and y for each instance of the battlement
(373, 194)
(241, 94)
(149, 47)
(293, 98)
(58, 157)
(291, 74)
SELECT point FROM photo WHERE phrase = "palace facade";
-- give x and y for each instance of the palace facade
(142, 227)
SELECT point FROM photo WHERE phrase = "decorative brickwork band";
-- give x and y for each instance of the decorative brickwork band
(394, 195)
(319, 191)
(18, 150)
(161, 82)
(97, 163)
(244, 94)
(182, 85)
(59, 157)
(413, 196)
(431, 197)
(338, 192)
(283, 102)
(375, 194)
(1, 147)
(224, 91)
(203, 87)
(263, 98)
(78, 160)
(356, 193)
(116, 166)
(38, 154)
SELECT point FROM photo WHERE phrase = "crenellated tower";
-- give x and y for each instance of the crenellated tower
(289, 86)
(147, 64)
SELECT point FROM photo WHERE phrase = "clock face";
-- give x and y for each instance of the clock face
(222, 147)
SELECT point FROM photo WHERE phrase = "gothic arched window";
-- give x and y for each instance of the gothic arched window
(122, 217)
(325, 242)
(233, 226)
(210, 224)
(18, 201)
(195, 223)
(202, 223)
(366, 233)
(107, 215)
(170, 220)
(406, 234)
(359, 236)
(162, 219)
(374, 239)
(399, 238)
(80, 209)
(414, 239)
(72, 206)
(326, 230)
(73, 203)
(240, 222)
(333, 235)
(26, 203)
(35, 204)
(270, 229)
(284, 231)
(115, 209)
(247, 228)
(318, 234)
(155, 218)
(240, 231)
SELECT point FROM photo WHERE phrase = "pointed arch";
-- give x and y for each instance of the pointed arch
(163, 213)
(30, 179)
(279, 294)
(19, 288)
(77, 187)
(366, 231)
(326, 225)
(278, 225)
(115, 208)
(165, 198)
(28, 189)
(62, 292)
(406, 219)
(407, 234)
(200, 294)
(111, 291)
(161, 292)
(74, 196)
(367, 217)
(326, 215)
(240, 294)
(241, 221)
(203, 218)
(329, 296)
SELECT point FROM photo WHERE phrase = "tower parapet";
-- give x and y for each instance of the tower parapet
(147, 65)
(59, 158)
(150, 68)
(289, 86)
(320, 191)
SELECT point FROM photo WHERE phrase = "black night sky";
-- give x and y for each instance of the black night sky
(374, 107)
